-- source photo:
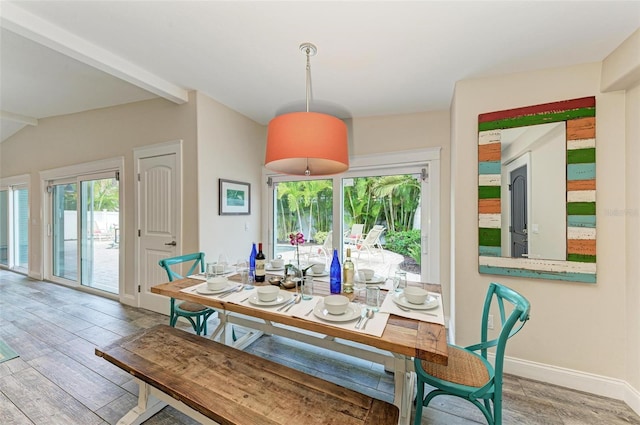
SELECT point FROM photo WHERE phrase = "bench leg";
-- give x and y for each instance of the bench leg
(147, 406)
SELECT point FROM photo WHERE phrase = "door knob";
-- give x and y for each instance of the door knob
(172, 243)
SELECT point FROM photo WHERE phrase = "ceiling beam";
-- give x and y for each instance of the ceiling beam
(34, 28)
(4, 115)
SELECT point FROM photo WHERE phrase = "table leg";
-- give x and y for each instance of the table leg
(404, 381)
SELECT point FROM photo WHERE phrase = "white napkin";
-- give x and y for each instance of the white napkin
(199, 276)
(375, 326)
(389, 306)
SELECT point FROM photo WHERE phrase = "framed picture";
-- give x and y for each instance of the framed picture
(234, 198)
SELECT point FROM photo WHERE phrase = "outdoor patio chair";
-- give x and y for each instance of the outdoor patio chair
(371, 242)
(187, 309)
(326, 249)
(469, 374)
(353, 236)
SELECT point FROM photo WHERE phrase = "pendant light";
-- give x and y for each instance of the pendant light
(307, 143)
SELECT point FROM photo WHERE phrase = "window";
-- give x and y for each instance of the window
(385, 209)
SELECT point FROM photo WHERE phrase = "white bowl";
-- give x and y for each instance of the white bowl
(415, 295)
(216, 283)
(367, 274)
(277, 263)
(317, 268)
(268, 293)
(336, 304)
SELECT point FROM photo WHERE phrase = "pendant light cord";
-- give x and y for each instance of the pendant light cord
(308, 51)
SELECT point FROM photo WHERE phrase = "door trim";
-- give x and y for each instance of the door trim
(167, 148)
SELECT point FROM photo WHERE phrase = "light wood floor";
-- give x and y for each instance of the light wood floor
(58, 380)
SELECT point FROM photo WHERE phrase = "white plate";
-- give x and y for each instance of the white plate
(352, 313)
(376, 279)
(324, 273)
(283, 297)
(203, 290)
(431, 302)
(273, 269)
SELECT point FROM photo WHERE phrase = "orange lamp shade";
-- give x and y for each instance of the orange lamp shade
(302, 141)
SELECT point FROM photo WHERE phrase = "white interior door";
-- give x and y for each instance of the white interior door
(159, 224)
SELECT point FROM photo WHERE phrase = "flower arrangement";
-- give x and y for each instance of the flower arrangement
(297, 239)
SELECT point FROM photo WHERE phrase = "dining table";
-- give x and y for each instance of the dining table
(391, 338)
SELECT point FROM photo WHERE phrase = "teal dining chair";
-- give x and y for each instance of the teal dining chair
(469, 373)
(187, 309)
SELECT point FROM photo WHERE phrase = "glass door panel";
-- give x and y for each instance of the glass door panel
(65, 231)
(381, 219)
(99, 222)
(21, 228)
(304, 206)
(4, 227)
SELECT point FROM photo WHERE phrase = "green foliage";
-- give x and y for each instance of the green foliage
(320, 237)
(416, 253)
(404, 243)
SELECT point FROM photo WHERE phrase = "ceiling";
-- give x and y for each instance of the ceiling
(374, 58)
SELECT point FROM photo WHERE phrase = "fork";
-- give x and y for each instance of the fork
(231, 291)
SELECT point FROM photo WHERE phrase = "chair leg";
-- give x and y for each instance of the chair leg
(419, 400)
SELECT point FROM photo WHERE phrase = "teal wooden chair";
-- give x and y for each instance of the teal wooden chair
(195, 313)
(469, 373)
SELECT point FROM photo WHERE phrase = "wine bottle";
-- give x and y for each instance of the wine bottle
(260, 263)
(335, 274)
(348, 270)
(252, 263)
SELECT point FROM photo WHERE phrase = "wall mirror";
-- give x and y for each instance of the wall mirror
(536, 191)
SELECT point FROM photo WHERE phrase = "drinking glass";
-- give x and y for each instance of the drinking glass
(242, 267)
(223, 263)
(211, 271)
(359, 283)
(306, 288)
(373, 297)
(399, 281)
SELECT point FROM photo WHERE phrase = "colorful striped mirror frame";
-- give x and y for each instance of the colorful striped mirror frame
(580, 265)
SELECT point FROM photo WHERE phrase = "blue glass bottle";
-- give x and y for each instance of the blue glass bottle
(252, 263)
(335, 274)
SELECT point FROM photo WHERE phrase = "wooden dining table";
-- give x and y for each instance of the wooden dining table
(401, 341)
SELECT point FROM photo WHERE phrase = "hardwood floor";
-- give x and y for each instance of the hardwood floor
(58, 380)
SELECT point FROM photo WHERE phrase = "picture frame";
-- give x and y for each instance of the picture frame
(234, 197)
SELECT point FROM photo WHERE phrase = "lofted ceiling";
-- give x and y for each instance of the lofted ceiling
(374, 58)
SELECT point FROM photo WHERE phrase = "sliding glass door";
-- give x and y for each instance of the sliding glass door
(14, 227)
(387, 214)
(85, 231)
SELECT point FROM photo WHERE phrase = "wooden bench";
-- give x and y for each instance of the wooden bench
(214, 383)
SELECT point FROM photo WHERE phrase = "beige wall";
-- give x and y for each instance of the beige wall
(393, 133)
(573, 325)
(103, 134)
(632, 216)
(230, 146)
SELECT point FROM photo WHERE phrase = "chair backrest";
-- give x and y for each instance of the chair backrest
(356, 231)
(517, 310)
(373, 236)
(196, 259)
(328, 241)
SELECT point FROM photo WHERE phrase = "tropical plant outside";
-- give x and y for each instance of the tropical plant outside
(390, 201)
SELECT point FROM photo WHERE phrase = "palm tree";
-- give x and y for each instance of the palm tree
(401, 192)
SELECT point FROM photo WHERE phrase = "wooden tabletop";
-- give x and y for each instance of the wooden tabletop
(425, 340)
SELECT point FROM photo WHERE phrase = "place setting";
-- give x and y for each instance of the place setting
(337, 310)
(416, 303)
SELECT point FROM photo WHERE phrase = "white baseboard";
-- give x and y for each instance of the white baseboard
(577, 380)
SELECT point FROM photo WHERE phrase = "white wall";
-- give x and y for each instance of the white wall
(582, 327)
(231, 147)
(96, 135)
